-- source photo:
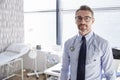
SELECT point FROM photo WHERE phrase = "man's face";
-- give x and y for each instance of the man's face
(84, 20)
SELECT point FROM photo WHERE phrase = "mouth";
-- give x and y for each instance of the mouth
(82, 27)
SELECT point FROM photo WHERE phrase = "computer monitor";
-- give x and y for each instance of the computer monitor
(116, 53)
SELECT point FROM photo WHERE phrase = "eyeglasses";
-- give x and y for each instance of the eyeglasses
(86, 18)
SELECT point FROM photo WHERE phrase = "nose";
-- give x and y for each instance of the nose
(83, 21)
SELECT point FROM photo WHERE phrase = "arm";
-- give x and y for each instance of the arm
(107, 62)
(65, 64)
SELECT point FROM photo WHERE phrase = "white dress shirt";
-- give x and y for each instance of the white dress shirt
(99, 58)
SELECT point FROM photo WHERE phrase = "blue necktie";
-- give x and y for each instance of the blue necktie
(82, 61)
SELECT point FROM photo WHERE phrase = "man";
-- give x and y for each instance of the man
(98, 53)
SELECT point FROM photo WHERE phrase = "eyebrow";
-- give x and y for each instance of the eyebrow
(84, 16)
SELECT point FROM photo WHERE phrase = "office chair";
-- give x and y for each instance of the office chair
(33, 55)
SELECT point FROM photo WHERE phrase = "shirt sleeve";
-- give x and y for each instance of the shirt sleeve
(65, 64)
(107, 62)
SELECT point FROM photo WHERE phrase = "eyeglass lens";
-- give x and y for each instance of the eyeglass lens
(86, 18)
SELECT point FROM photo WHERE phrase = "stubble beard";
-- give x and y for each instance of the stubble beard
(83, 29)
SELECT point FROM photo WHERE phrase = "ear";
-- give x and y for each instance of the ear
(93, 19)
(75, 22)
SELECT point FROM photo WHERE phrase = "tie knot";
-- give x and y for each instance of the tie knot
(83, 38)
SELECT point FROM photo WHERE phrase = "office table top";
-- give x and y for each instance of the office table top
(55, 70)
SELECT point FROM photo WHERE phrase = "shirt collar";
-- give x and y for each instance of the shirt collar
(88, 36)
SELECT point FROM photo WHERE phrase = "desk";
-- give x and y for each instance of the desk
(46, 58)
(54, 71)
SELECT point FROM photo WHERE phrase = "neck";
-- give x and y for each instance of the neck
(83, 33)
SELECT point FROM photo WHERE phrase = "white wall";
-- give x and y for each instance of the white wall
(11, 22)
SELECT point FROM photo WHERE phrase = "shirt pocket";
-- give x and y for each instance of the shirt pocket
(93, 59)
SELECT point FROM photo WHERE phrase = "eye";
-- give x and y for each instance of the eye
(87, 18)
(78, 17)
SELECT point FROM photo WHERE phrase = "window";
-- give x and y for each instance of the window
(39, 5)
(107, 25)
(40, 22)
(107, 17)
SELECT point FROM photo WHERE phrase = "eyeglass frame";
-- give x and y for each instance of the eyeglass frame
(86, 18)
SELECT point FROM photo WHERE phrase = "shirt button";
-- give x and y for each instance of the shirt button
(94, 59)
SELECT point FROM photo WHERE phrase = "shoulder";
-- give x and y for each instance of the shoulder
(99, 38)
(70, 40)
(101, 41)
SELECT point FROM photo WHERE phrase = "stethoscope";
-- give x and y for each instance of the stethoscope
(72, 48)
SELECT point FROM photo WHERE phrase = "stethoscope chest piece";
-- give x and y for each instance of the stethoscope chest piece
(72, 48)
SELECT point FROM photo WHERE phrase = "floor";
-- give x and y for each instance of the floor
(41, 77)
